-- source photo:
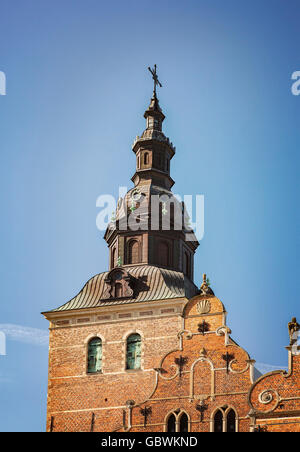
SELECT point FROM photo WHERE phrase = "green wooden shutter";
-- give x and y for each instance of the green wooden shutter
(134, 345)
(95, 355)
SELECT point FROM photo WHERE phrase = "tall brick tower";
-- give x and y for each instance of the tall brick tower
(141, 348)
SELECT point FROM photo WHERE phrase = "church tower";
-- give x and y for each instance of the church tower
(151, 225)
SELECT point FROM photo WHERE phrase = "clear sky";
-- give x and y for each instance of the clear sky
(77, 87)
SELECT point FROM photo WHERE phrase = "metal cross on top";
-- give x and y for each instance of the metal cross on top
(155, 79)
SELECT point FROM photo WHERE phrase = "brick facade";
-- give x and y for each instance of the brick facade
(73, 394)
(114, 399)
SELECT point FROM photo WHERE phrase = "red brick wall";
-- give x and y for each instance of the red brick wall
(275, 399)
(74, 397)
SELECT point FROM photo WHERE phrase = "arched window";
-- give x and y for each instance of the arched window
(178, 421)
(118, 290)
(184, 423)
(218, 422)
(138, 162)
(231, 421)
(171, 426)
(95, 355)
(163, 254)
(146, 158)
(133, 352)
(133, 252)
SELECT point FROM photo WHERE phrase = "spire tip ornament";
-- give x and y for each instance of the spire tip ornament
(155, 79)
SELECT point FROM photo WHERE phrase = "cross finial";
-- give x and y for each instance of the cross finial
(155, 79)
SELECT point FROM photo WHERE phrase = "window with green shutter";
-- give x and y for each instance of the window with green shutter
(133, 355)
(95, 355)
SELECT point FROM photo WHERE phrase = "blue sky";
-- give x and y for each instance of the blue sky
(77, 87)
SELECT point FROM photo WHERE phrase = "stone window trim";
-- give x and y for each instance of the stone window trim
(86, 352)
(124, 350)
(177, 419)
(224, 413)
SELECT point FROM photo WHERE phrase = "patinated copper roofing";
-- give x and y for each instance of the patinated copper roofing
(158, 284)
